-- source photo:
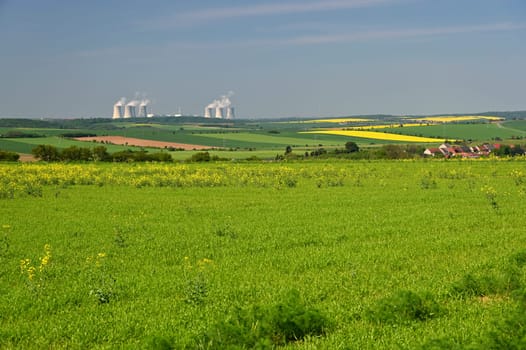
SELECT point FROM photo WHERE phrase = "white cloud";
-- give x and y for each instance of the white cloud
(398, 34)
(361, 36)
(269, 9)
(307, 40)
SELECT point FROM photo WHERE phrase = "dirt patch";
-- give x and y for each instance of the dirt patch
(130, 141)
(26, 158)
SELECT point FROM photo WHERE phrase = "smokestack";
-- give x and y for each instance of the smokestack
(208, 112)
(230, 113)
(118, 109)
(143, 110)
(219, 112)
(130, 111)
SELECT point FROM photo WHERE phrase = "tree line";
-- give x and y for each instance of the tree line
(51, 153)
(352, 151)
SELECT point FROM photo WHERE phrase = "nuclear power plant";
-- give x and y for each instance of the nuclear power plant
(143, 109)
(118, 108)
(121, 109)
(221, 108)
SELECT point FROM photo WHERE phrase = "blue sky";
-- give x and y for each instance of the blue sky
(285, 58)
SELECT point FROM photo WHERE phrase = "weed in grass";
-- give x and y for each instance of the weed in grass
(428, 182)
(4, 241)
(119, 239)
(518, 258)
(442, 344)
(102, 296)
(196, 289)
(225, 231)
(518, 177)
(158, 343)
(508, 333)
(507, 278)
(101, 283)
(36, 275)
(471, 285)
(403, 307)
(491, 196)
(267, 326)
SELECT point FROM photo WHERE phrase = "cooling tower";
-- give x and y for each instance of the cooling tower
(130, 111)
(143, 110)
(219, 112)
(208, 112)
(117, 111)
(230, 113)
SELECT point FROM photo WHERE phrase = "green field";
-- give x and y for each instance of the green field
(383, 255)
(25, 145)
(475, 132)
(268, 137)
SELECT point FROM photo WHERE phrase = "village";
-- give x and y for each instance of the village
(448, 150)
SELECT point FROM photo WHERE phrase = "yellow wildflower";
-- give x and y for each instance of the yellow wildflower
(24, 263)
(31, 272)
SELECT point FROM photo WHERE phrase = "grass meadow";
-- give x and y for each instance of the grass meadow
(310, 255)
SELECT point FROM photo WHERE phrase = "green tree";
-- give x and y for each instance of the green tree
(9, 156)
(74, 153)
(351, 147)
(100, 153)
(46, 153)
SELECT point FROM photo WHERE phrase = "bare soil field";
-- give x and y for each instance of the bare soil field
(120, 140)
(27, 158)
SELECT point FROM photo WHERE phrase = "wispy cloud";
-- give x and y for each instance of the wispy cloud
(259, 10)
(361, 36)
(281, 8)
(398, 34)
(313, 40)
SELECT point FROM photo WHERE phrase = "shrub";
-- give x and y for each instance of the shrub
(200, 157)
(204, 157)
(267, 326)
(46, 153)
(404, 306)
(9, 156)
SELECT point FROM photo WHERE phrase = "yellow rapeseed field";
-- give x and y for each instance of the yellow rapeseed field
(376, 135)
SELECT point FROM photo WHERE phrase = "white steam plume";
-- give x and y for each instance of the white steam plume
(223, 102)
(121, 102)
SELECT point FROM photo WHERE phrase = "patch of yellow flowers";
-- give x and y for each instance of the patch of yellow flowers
(200, 265)
(97, 260)
(376, 135)
(26, 268)
(23, 179)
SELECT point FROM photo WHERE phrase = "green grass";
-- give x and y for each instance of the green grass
(475, 132)
(16, 145)
(519, 125)
(346, 246)
(25, 145)
(268, 136)
(233, 155)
